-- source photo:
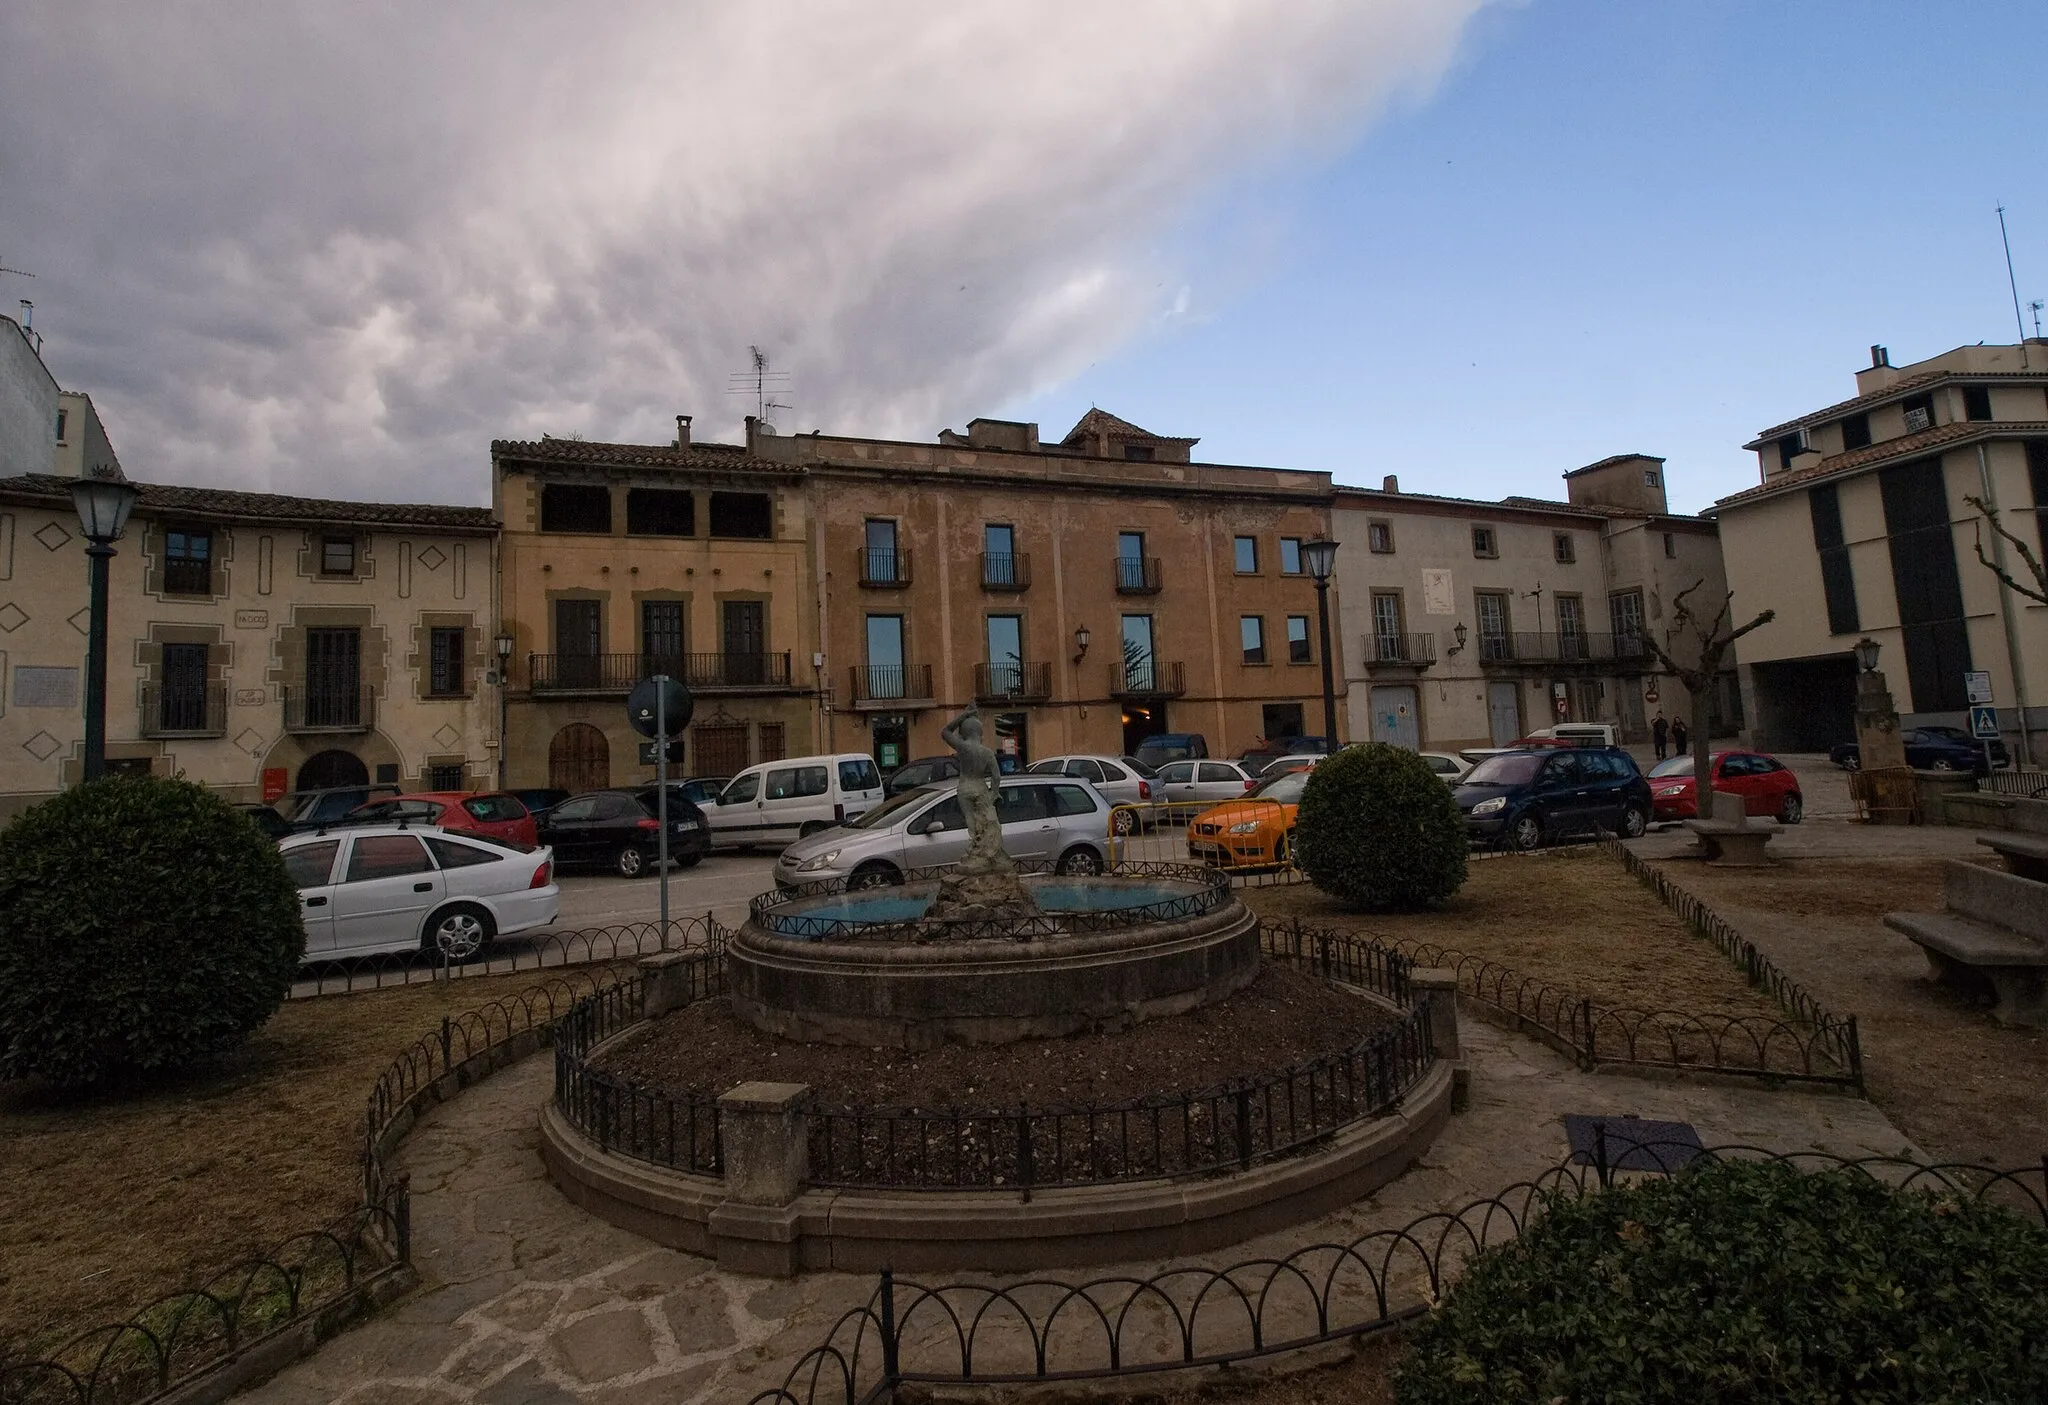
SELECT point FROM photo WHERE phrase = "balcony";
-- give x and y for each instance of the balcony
(1012, 682)
(184, 710)
(885, 569)
(999, 572)
(1396, 652)
(617, 673)
(1135, 576)
(328, 707)
(1139, 681)
(892, 687)
(1571, 649)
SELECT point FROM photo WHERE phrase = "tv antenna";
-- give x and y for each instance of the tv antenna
(2019, 324)
(2035, 308)
(761, 383)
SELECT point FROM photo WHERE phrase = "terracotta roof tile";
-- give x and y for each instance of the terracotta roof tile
(1610, 461)
(169, 499)
(1102, 422)
(1903, 447)
(724, 458)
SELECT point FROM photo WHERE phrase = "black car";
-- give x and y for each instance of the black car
(1931, 749)
(539, 802)
(616, 829)
(267, 819)
(926, 770)
(1521, 798)
(307, 810)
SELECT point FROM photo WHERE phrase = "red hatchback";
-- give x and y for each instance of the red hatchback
(1766, 785)
(495, 815)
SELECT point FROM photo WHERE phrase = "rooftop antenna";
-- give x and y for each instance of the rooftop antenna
(2035, 308)
(759, 382)
(2018, 322)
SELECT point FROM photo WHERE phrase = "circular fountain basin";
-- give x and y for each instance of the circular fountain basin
(869, 968)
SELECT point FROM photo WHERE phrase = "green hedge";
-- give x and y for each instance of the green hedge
(144, 924)
(1377, 830)
(1746, 1281)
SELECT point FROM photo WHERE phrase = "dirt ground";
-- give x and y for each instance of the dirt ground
(1960, 1084)
(1573, 918)
(117, 1199)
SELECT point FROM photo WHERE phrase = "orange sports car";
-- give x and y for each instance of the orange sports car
(1255, 831)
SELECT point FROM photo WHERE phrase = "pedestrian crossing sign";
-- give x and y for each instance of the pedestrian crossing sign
(1984, 723)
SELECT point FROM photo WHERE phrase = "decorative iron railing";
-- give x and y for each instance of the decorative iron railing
(1411, 650)
(184, 710)
(1147, 678)
(1005, 570)
(1137, 575)
(328, 708)
(618, 673)
(896, 682)
(1012, 682)
(885, 568)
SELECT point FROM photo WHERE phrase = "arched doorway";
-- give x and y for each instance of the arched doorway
(579, 758)
(327, 769)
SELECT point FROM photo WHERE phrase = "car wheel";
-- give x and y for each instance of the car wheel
(686, 860)
(873, 875)
(1852, 763)
(1079, 862)
(458, 933)
(1793, 810)
(1633, 822)
(1942, 763)
(1526, 832)
(1283, 852)
(1123, 822)
(629, 862)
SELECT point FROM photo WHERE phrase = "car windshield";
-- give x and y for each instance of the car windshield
(1141, 768)
(1514, 768)
(890, 810)
(1283, 790)
(1676, 766)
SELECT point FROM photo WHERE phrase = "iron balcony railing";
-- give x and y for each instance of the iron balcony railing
(1148, 679)
(1004, 571)
(896, 682)
(1410, 650)
(617, 673)
(1012, 682)
(885, 568)
(328, 707)
(1137, 575)
(184, 575)
(184, 710)
(1546, 647)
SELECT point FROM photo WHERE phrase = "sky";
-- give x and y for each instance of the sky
(338, 249)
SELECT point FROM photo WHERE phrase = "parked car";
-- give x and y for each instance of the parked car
(1766, 785)
(684, 796)
(311, 809)
(2000, 757)
(1451, 768)
(1050, 819)
(382, 888)
(779, 801)
(617, 829)
(1930, 749)
(496, 815)
(1576, 733)
(926, 770)
(1121, 779)
(1254, 830)
(1259, 759)
(539, 802)
(1522, 798)
(1186, 783)
(1155, 751)
(267, 819)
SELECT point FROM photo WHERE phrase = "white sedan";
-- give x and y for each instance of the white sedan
(1451, 768)
(388, 887)
(1203, 782)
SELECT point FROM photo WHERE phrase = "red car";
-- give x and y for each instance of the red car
(1766, 785)
(495, 815)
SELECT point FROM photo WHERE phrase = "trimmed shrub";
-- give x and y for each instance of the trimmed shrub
(1377, 829)
(1745, 1281)
(144, 924)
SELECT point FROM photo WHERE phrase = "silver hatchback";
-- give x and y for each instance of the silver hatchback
(1045, 819)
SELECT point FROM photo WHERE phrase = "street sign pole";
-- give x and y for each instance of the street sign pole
(661, 793)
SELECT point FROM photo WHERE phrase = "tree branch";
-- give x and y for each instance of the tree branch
(1990, 514)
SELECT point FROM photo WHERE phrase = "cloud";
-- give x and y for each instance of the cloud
(339, 248)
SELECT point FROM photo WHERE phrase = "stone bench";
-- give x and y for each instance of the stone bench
(2024, 854)
(1973, 955)
(1730, 839)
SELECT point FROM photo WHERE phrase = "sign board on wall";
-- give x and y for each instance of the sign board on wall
(1438, 595)
(1984, 723)
(1978, 686)
(274, 783)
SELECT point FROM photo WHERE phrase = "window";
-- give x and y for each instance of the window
(941, 817)
(582, 810)
(1625, 615)
(886, 672)
(63, 423)
(1247, 549)
(1005, 653)
(1290, 556)
(1020, 804)
(1571, 627)
(1297, 639)
(188, 563)
(879, 561)
(1976, 402)
(1138, 453)
(859, 775)
(181, 697)
(1139, 671)
(660, 512)
(797, 783)
(576, 507)
(2037, 474)
(1213, 771)
(744, 515)
(742, 790)
(1919, 410)
(1928, 588)
(999, 555)
(1084, 769)
(337, 556)
(1790, 447)
(443, 777)
(450, 853)
(661, 636)
(1564, 548)
(376, 856)
(1387, 644)
(1856, 432)
(1379, 537)
(1484, 544)
(310, 865)
(1671, 546)
(445, 672)
(1072, 800)
(1494, 644)
(494, 809)
(1251, 631)
(1837, 579)
(1650, 477)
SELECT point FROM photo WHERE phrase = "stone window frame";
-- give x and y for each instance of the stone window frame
(604, 616)
(477, 658)
(288, 649)
(1485, 541)
(683, 598)
(156, 556)
(312, 547)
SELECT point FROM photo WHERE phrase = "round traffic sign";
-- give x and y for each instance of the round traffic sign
(662, 698)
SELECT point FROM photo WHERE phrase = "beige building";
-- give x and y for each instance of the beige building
(259, 643)
(1471, 623)
(1860, 525)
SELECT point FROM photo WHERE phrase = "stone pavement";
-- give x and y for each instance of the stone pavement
(526, 1300)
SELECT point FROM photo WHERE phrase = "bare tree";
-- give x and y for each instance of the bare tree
(2039, 589)
(1709, 642)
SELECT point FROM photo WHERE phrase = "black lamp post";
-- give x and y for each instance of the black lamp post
(1319, 558)
(103, 506)
(1866, 654)
(504, 641)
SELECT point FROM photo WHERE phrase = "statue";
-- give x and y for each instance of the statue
(984, 883)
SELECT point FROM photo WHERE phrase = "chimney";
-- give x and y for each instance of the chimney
(1391, 483)
(682, 431)
(1879, 356)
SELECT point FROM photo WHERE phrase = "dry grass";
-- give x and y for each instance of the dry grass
(115, 1200)
(1362, 1377)
(1572, 918)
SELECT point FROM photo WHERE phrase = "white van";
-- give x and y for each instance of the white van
(777, 802)
(1583, 733)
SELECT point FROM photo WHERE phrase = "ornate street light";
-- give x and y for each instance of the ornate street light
(103, 505)
(1319, 558)
(1080, 643)
(505, 642)
(1866, 654)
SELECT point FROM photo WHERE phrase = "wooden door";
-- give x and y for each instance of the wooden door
(579, 758)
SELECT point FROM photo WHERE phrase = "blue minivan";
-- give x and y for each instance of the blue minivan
(1520, 799)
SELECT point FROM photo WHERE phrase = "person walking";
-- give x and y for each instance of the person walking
(1660, 734)
(1678, 738)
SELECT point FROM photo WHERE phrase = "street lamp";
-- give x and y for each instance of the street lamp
(1080, 643)
(504, 641)
(1866, 654)
(1319, 558)
(103, 506)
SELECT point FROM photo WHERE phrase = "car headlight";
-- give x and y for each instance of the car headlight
(1247, 827)
(1488, 807)
(825, 860)
(1670, 790)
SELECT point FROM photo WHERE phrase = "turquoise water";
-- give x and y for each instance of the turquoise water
(888, 906)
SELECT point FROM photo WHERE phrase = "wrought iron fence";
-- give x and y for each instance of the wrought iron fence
(1136, 575)
(890, 682)
(1005, 570)
(1005, 682)
(621, 1117)
(885, 566)
(1397, 648)
(1147, 677)
(2027, 784)
(316, 707)
(183, 710)
(547, 951)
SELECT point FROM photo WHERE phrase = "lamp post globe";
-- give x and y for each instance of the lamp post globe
(103, 501)
(1319, 559)
(1866, 654)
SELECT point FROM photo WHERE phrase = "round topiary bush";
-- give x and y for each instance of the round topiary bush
(143, 924)
(1377, 829)
(1746, 1281)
